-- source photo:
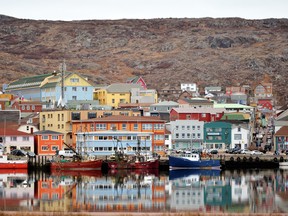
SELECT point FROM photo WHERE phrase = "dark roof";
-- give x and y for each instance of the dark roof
(47, 132)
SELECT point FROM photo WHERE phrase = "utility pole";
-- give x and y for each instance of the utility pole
(62, 69)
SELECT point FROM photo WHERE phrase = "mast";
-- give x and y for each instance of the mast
(62, 69)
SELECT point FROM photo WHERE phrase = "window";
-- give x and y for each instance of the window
(74, 80)
(188, 135)
(237, 136)
(58, 117)
(198, 135)
(44, 137)
(124, 126)
(74, 88)
(58, 126)
(158, 137)
(45, 148)
(177, 127)
(203, 115)
(198, 127)
(193, 127)
(33, 107)
(183, 135)
(92, 127)
(55, 137)
(13, 138)
(183, 127)
(158, 126)
(75, 116)
(188, 116)
(239, 129)
(100, 126)
(54, 148)
(25, 138)
(28, 107)
(62, 117)
(177, 135)
(135, 126)
(147, 127)
(23, 107)
(74, 97)
(113, 100)
(92, 115)
(188, 127)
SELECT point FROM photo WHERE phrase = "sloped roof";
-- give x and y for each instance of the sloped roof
(283, 131)
(166, 103)
(133, 79)
(199, 110)
(11, 129)
(28, 81)
(47, 132)
(122, 87)
(232, 106)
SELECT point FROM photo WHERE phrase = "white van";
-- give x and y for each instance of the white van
(66, 153)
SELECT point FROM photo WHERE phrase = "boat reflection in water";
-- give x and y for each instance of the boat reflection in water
(120, 191)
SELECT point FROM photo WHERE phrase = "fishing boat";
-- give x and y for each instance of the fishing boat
(139, 160)
(79, 162)
(8, 162)
(192, 161)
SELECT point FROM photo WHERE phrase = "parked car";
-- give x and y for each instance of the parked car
(256, 152)
(245, 151)
(18, 152)
(213, 151)
(66, 153)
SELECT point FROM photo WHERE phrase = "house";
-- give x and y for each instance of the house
(200, 114)
(60, 120)
(187, 134)
(190, 87)
(137, 80)
(75, 87)
(143, 95)
(48, 142)
(169, 93)
(100, 136)
(28, 87)
(12, 139)
(263, 89)
(115, 94)
(162, 109)
(281, 139)
(26, 106)
(195, 103)
(217, 135)
(212, 89)
(265, 103)
(235, 89)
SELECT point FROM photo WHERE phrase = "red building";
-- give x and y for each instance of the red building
(200, 114)
(265, 103)
(28, 106)
(47, 142)
(137, 80)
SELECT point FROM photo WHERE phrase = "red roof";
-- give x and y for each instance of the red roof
(11, 129)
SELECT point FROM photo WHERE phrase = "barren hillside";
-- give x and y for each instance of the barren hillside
(164, 51)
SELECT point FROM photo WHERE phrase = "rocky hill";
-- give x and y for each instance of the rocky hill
(166, 52)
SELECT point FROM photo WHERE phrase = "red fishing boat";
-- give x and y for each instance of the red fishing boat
(6, 163)
(76, 164)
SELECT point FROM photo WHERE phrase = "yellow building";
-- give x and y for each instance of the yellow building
(121, 93)
(61, 120)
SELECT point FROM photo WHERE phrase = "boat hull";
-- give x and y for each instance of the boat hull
(179, 162)
(14, 165)
(76, 165)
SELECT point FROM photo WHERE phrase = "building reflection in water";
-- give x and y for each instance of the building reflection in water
(249, 191)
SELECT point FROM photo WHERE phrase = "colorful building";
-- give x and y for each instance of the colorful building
(48, 142)
(101, 136)
(200, 114)
(217, 135)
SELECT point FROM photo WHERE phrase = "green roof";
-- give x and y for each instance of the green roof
(28, 81)
(233, 116)
(50, 85)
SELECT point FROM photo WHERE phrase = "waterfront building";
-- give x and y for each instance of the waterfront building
(217, 135)
(48, 142)
(187, 134)
(61, 120)
(11, 138)
(99, 136)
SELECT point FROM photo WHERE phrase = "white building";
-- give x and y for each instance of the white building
(192, 87)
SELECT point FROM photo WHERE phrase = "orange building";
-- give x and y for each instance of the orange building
(99, 133)
(47, 142)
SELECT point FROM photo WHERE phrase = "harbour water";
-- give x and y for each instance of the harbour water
(206, 191)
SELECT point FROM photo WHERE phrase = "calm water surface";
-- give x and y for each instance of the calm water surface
(244, 191)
